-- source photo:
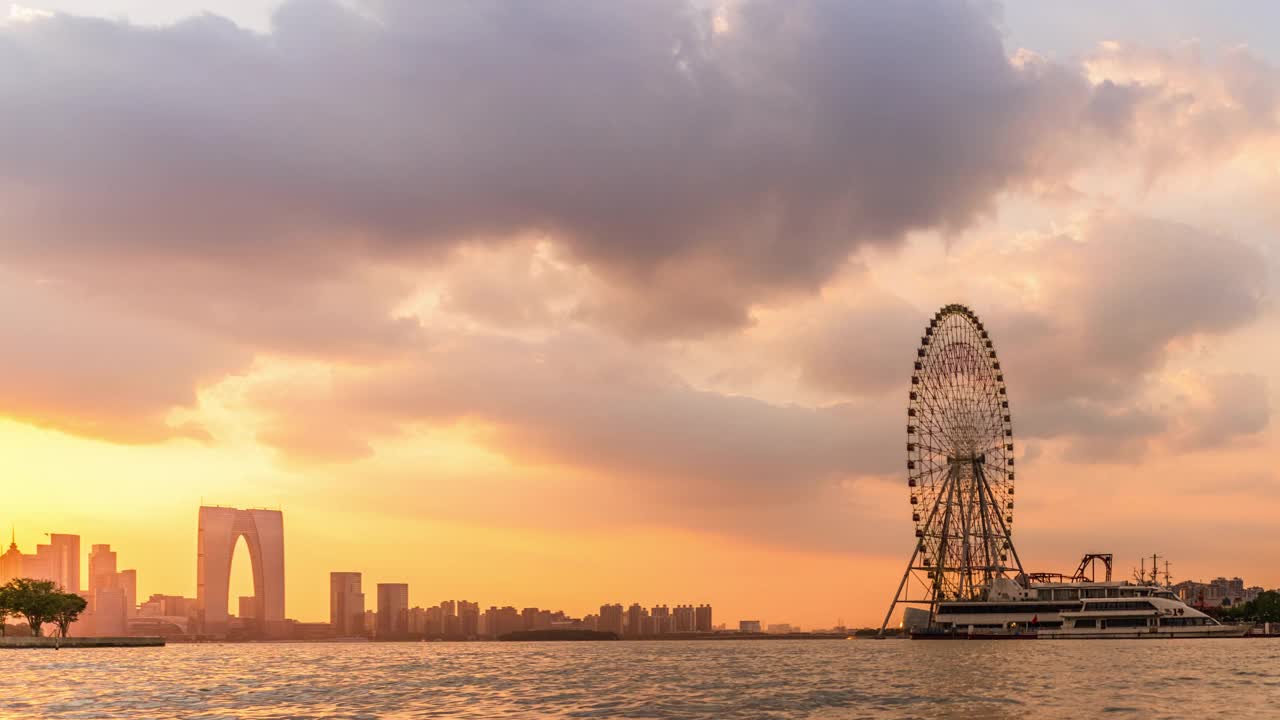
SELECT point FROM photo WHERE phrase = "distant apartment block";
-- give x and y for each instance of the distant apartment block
(660, 615)
(1219, 592)
(682, 619)
(637, 619)
(610, 619)
(497, 621)
(468, 619)
(702, 618)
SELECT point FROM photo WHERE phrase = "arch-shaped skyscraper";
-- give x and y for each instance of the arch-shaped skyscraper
(263, 531)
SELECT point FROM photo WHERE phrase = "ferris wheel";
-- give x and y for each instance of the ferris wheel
(960, 464)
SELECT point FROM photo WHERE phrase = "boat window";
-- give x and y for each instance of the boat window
(1023, 608)
(1086, 623)
(1184, 621)
(1066, 594)
(1119, 605)
(1126, 622)
(1128, 592)
(1094, 592)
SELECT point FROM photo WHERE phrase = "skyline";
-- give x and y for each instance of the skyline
(345, 587)
(652, 341)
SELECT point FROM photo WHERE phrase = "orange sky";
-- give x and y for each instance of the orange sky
(620, 323)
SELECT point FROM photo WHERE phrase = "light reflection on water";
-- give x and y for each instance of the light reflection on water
(821, 680)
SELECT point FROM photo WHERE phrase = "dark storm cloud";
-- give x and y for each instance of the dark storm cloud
(635, 134)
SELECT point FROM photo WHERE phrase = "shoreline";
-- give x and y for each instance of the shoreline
(703, 637)
(56, 643)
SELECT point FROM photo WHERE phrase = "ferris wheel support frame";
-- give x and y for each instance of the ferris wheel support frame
(986, 498)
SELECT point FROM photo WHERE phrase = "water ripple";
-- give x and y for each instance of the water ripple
(774, 680)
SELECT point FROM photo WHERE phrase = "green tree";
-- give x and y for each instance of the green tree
(68, 608)
(6, 609)
(35, 600)
(1265, 608)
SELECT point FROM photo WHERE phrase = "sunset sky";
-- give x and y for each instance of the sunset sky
(564, 302)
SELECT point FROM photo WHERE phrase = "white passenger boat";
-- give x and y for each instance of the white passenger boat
(1074, 610)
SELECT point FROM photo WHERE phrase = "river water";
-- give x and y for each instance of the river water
(730, 679)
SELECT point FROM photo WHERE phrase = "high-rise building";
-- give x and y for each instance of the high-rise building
(682, 619)
(103, 574)
(661, 615)
(501, 621)
(346, 604)
(393, 610)
(112, 593)
(610, 619)
(14, 564)
(702, 618)
(11, 560)
(448, 619)
(468, 619)
(108, 612)
(127, 581)
(248, 607)
(417, 621)
(63, 560)
(635, 621)
(263, 532)
(433, 617)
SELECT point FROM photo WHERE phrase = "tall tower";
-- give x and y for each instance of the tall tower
(263, 531)
(66, 561)
(102, 568)
(11, 561)
(346, 604)
(393, 610)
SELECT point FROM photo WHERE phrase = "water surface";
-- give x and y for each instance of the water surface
(744, 679)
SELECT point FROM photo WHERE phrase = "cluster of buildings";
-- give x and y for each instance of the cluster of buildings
(637, 621)
(111, 593)
(1219, 592)
(114, 608)
(393, 618)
